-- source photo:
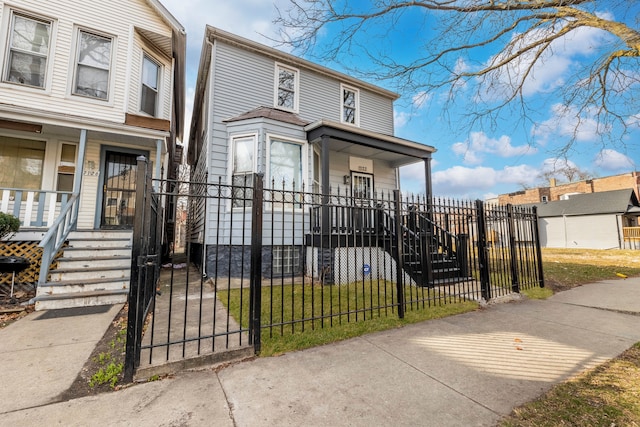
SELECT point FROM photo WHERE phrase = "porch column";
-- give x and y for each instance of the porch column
(324, 181)
(158, 162)
(427, 178)
(77, 179)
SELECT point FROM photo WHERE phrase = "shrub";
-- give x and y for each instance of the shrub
(9, 225)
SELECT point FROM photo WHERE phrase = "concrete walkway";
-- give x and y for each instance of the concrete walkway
(470, 370)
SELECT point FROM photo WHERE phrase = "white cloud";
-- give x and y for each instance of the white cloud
(611, 160)
(567, 122)
(400, 118)
(479, 143)
(460, 181)
(420, 99)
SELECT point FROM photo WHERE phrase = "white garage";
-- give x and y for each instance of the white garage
(588, 221)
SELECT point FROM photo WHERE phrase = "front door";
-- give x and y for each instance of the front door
(119, 190)
(362, 193)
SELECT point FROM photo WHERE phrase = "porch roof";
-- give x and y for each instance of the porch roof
(363, 143)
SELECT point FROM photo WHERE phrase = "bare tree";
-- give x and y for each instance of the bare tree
(567, 173)
(496, 48)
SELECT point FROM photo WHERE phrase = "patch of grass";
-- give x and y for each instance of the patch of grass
(311, 315)
(576, 273)
(568, 268)
(604, 396)
(107, 375)
(537, 293)
(109, 361)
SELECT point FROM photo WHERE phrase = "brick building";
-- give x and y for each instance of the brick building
(554, 191)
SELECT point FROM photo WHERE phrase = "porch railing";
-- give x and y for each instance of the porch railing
(34, 208)
(57, 234)
(631, 236)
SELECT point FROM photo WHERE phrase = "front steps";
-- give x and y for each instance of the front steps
(94, 270)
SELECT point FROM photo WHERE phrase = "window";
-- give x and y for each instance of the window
(150, 80)
(286, 88)
(243, 149)
(285, 165)
(66, 168)
(93, 63)
(286, 260)
(350, 112)
(21, 162)
(28, 51)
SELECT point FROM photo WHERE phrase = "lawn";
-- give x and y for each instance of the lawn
(311, 315)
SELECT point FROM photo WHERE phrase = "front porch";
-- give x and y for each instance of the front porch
(73, 193)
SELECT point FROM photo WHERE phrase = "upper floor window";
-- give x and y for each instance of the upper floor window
(150, 86)
(93, 62)
(286, 87)
(28, 50)
(350, 105)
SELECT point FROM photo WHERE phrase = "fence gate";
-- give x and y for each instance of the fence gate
(252, 262)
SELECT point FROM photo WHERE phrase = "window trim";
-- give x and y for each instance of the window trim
(74, 64)
(296, 90)
(356, 119)
(232, 148)
(156, 61)
(304, 159)
(7, 48)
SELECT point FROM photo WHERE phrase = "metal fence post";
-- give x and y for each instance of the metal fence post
(255, 287)
(399, 251)
(515, 282)
(134, 321)
(538, 249)
(483, 258)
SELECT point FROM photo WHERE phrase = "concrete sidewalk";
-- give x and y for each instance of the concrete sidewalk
(42, 353)
(470, 369)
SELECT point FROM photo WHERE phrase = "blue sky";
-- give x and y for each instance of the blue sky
(470, 162)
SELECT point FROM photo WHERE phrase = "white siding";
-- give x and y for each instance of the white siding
(116, 18)
(583, 232)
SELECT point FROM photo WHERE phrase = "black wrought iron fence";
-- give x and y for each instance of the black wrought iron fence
(283, 260)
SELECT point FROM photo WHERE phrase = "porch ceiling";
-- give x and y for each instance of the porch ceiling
(358, 142)
(74, 134)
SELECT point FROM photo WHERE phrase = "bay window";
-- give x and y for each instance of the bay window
(285, 165)
(243, 161)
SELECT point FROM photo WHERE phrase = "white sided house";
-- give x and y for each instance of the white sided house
(302, 126)
(590, 221)
(85, 88)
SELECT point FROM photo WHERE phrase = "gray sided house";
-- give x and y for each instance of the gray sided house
(305, 128)
(590, 221)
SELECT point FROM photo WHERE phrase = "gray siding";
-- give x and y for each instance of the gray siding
(242, 80)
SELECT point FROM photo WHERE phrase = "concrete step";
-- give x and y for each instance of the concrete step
(87, 252)
(89, 243)
(62, 275)
(90, 285)
(101, 234)
(65, 263)
(80, 299)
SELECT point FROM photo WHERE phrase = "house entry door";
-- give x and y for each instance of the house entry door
(362, 193)
(119, 190)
